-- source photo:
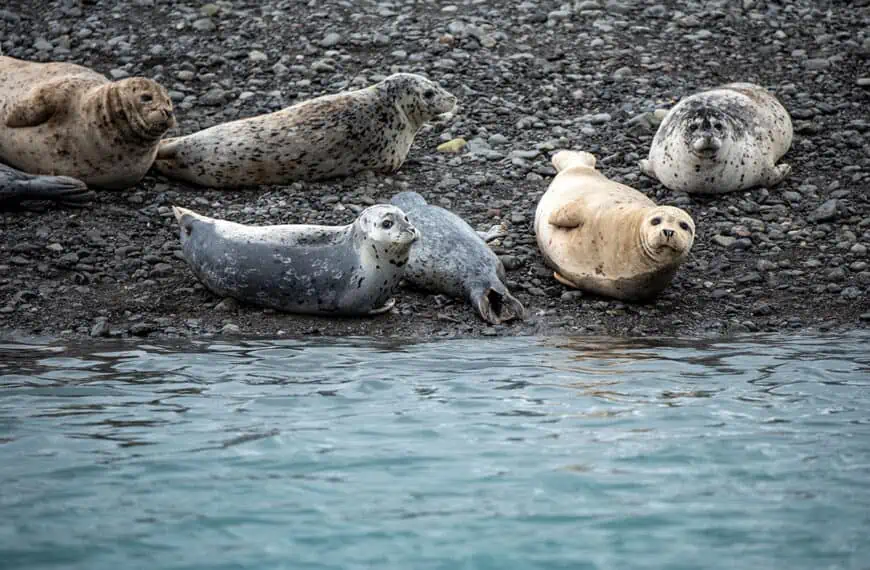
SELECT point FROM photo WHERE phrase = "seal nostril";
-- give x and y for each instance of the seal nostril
(668, 233)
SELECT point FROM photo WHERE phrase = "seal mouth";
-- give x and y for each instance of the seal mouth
(706, 146)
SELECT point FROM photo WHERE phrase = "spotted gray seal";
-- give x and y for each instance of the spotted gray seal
(330, 136)
(608, 238)
(721, 140)
(16, 186)
(451, 258)
(65, 119)
(335, 270)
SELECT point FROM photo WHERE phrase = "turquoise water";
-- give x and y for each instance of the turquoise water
(498, 454)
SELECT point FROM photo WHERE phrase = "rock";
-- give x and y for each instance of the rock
(230, 329)
(452, 146)
(826, 212)
(724, 241)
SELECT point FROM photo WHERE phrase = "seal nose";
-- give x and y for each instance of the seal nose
(668, 233)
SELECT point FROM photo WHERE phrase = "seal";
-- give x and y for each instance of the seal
(721, 140)
(65, 119)
(451, 258)
(325, 270)
(327, 137)
(17, 186)
(605, 237)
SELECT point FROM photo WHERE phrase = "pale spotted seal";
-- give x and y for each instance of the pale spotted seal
(721, 140)
(608, 238)
(16, 186)
(330, 136)
(327, 270)
(65, 119)
(451, 258)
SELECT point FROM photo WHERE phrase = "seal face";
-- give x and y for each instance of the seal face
(721, 140)
(608, 238)
(330, 136)
(451, 258)
(64, 119)
(327, 270)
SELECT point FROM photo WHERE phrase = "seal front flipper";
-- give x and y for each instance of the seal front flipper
(564, 280)
(383, 308)
(495, 232)
(776, 174)
(168, 149)
(568, 216)
(34, 109)
(647, 168)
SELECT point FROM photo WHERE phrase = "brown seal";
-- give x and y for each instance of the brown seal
(330, 136)
(608, 238)
(65, 119)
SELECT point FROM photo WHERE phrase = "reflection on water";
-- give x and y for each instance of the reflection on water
(498, 453)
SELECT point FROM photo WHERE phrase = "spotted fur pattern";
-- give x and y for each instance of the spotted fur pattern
(451, 258)
(721, 140)
(330, 136)
(326, 270)
(64, 119)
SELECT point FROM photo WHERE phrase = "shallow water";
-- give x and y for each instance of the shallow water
(487, 454)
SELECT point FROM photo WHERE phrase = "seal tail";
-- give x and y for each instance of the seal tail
(567, 158)
(496, 305)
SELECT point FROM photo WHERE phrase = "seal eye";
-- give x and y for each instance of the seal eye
(386, 224)
(655, 221)
(429, 93)
(147, 98)
(685, 226)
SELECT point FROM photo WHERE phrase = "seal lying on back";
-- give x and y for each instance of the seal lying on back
(16, 186)
(337, 270)
(64, 119)
(451, 258)
(721, 140)
(330, 136)
(608, 238)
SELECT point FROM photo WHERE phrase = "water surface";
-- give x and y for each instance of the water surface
(501, 454)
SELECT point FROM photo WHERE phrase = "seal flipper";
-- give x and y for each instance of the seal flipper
(565, 159)
(34, 109)
(17, 186)
(775, 174)
(167, 149)
(496, 305)
(564, 280)
(383, 308)
(570, 215)
(647, 168)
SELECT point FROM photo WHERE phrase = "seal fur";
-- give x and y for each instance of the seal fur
(721, 140)
(312, 269)
(65, 119)
(330, 136)
(451, 258)
(605, 237)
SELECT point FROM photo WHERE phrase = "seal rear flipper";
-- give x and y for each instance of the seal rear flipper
(33, 187)
(496, 305)
(567, 158)
(167, 150)
(570, 215)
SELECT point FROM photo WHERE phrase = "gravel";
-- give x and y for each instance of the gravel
(532, 78)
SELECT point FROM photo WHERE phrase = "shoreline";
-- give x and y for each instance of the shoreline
(793, 258)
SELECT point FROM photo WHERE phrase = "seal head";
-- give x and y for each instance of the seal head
(666, 235)
(145, 106)
(420, 98)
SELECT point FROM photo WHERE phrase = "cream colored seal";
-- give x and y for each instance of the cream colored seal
(330, 136)
(65, 119)
(605, 237)
(721, 140)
